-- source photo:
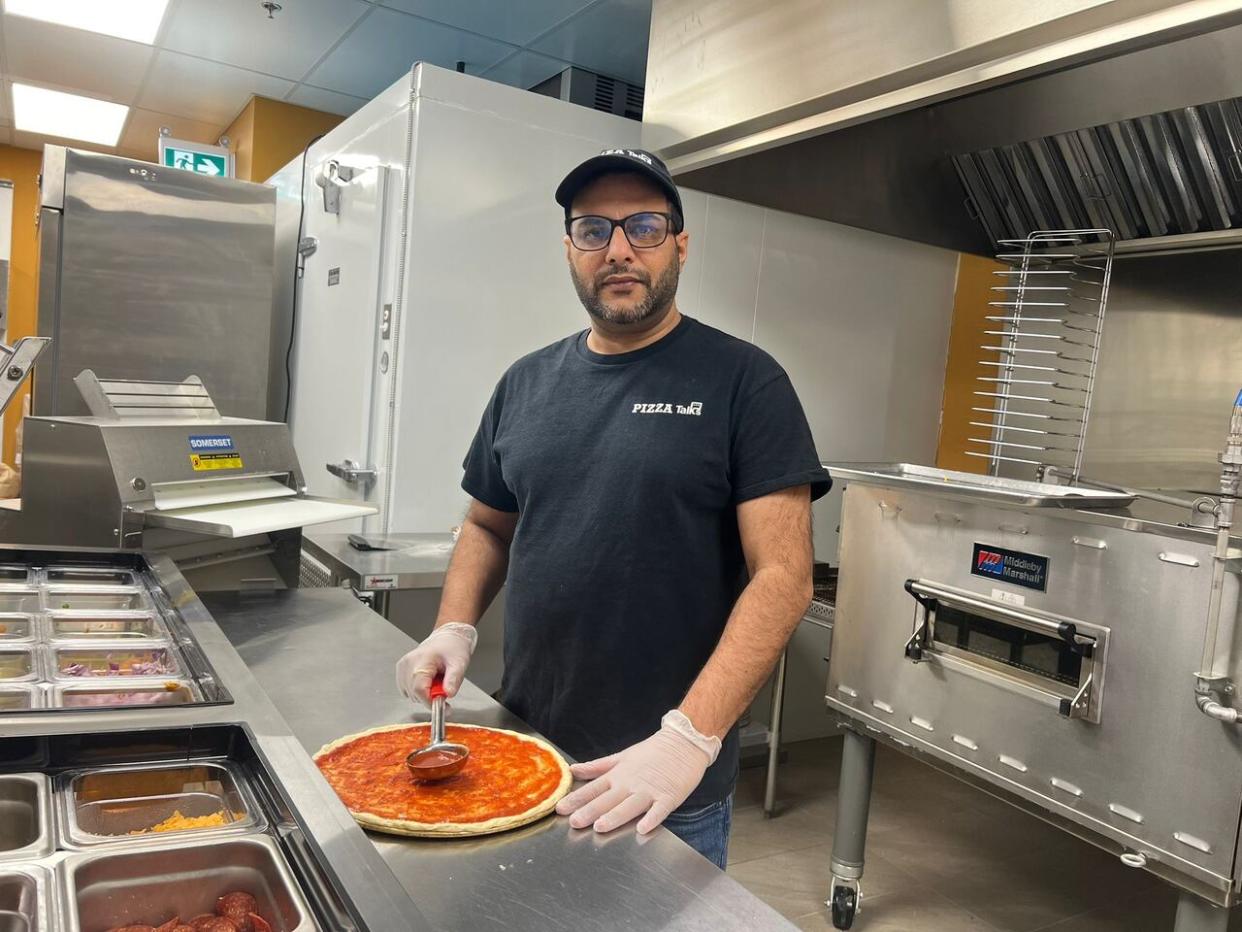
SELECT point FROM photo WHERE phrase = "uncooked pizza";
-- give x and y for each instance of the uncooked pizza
(509, 780)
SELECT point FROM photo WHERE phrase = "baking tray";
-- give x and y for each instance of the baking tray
(122, 693)
(105, 626)
(19, 664)
(114, 599)
(115, 887)
(25, 817)
(20, 600)
(89, 576)
(27, 899)
(18, 627)
(99, 656)
(19, 697)
(104, 806)
(972, 485)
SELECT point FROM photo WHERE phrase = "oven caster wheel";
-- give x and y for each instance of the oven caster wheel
(844, 903)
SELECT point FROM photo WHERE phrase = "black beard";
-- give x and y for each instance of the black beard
(659, 296)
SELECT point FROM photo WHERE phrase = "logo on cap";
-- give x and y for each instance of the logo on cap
(641, 156)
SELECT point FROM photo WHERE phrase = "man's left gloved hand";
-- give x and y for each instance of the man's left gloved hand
(649, 779)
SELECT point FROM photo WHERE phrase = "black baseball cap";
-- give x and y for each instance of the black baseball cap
(637, 161)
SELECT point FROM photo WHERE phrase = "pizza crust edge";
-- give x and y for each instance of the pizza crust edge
(456, 829)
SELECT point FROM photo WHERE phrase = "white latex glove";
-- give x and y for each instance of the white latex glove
(649, 779)
(447, 649)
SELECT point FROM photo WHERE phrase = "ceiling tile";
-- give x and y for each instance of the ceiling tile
(205, 91)
(525, 69)
(72, 59)
(609, 37)
(238, 32)
(328, 101)
(386, 43)
(508, 21)
(38, 140)
(140, 138)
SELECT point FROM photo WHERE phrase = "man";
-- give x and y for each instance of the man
(627, 481)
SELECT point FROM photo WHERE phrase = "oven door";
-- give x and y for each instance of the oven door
(1055, 660)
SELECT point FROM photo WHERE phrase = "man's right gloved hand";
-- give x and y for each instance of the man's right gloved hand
(447, 649)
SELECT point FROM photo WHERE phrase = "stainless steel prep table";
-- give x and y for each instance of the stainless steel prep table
(381, 902)
(417, 561)
(327, 663)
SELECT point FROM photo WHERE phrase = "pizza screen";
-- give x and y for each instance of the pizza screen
(504, 776)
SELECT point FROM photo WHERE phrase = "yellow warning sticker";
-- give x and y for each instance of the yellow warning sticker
(206, 461)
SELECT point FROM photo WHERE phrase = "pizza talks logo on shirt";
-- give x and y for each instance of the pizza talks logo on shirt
(663, 407)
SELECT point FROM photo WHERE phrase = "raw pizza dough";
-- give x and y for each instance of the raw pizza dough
(484, 771)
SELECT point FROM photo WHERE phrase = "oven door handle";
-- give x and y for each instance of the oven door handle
(929, 596)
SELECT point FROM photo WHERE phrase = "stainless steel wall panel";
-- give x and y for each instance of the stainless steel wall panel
(1170, 365)
(160, 274)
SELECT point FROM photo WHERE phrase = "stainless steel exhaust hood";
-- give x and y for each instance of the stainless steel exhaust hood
(1124, 115)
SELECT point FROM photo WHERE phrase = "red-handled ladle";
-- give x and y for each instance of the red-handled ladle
(440, 759)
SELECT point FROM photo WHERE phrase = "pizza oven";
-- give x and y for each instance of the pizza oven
(1042, 642)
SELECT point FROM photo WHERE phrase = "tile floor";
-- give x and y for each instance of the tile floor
(941, 857)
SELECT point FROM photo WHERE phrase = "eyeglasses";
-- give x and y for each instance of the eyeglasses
(644, 231)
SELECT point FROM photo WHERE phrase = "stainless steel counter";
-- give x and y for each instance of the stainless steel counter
(327, 661)
(382, 904)
(416, 561)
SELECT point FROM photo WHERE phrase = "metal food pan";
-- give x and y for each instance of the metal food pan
(18, 626)
(20, 698)
(95, 693)
(115, 599)
(89, 576)
(25, 817)
(20, 600)
(151, 884)
(26, 899)
(111, 659)
(104, 626)
(19, 664)
(123, 804)
(15, 575)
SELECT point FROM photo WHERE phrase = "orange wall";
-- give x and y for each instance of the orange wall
(268, 134)
(21, 166)
(966, 336)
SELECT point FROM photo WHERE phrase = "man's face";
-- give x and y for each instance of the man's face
(622, 285)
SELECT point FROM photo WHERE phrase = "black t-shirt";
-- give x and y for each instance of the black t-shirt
(627, 471)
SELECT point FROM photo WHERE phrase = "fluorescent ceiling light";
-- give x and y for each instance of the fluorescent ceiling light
(53, 113)
(137, 20)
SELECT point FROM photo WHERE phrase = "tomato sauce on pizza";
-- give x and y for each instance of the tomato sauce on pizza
(508, 780)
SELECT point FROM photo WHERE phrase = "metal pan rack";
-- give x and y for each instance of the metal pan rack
(1037, 376)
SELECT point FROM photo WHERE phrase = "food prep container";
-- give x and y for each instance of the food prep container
(150, 884)
(96, 693)
(18, 626)
(16, 697)
(104, 626)
(18, 664)
(25, 817)
(107, 806)
(89, 576)
(75, 662)
(20, 600)
(26, 899)
(15, 575)
(115, 599)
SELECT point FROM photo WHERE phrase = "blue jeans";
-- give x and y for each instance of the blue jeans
(705, 829)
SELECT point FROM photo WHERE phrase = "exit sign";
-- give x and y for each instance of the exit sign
(196, 157)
